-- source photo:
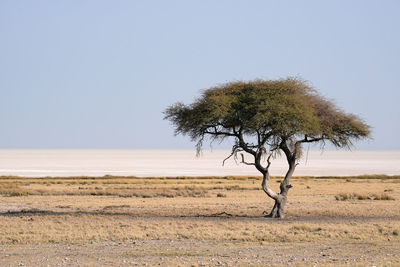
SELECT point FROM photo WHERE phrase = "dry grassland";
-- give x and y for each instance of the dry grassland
(198, 221)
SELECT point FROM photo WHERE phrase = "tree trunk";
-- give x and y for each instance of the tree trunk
(278, 211)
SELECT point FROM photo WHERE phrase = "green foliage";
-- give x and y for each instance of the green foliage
(286, 111)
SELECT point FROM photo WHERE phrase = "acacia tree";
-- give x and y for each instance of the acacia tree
(267, 118)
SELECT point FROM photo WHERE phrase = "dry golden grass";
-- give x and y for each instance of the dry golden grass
(181, 201)
(83, 210)
(39, 227)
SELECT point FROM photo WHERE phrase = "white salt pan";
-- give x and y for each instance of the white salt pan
(146, 163)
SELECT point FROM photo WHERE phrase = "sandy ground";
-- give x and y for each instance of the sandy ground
(184, 163)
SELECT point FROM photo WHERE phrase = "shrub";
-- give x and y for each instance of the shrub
(357, 196)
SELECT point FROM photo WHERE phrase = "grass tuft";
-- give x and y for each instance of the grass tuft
(358, 196)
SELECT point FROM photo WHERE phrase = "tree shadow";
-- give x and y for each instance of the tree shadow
(306, 218)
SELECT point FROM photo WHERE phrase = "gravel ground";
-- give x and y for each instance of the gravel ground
(201, 253)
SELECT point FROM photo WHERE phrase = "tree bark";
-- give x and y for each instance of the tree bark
(265, 187)
(278, 211)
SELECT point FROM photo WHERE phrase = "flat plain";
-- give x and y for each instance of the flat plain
(198, 221)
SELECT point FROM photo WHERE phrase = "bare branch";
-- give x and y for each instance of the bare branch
(247, 163)
(234, 130)
(258, 137)
(244, 145)
(232, 153)
(266, 136)
(268, 160)
(285, 149)
(307, 140)
(216, 132)
(235, 150)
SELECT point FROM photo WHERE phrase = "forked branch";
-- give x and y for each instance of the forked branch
(247, 163)
(235, 150)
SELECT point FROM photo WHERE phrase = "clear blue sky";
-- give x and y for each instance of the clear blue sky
(98, 74)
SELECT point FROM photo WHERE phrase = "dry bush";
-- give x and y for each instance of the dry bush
(358, 196)
(12, 190)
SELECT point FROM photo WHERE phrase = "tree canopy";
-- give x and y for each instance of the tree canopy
(269, 110)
